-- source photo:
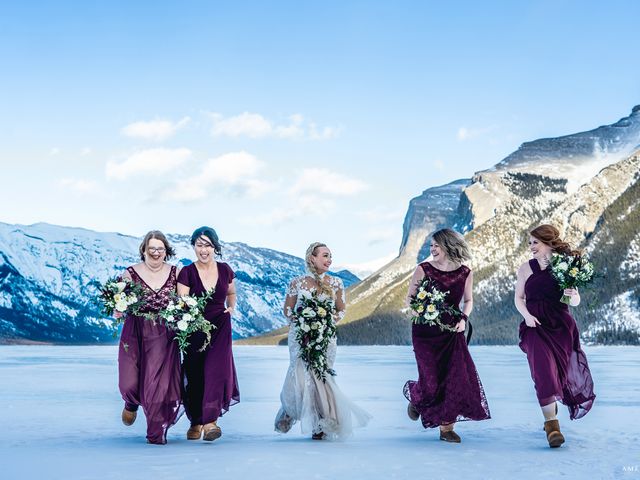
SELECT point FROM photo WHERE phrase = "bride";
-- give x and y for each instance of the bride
(320, 407)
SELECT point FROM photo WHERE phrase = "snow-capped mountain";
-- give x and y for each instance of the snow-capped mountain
(49, 276)
(585, 183)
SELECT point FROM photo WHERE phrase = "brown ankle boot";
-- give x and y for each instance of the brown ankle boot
(194, 432)
(449, 436)
(412, 412)
(128, 417)
(211, 432)
(554, 436)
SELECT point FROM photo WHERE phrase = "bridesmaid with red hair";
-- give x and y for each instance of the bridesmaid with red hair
(549, 334)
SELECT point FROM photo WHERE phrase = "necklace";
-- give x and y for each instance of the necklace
(153, 270)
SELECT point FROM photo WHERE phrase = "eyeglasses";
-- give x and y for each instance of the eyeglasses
(203, 245)
(156, 250)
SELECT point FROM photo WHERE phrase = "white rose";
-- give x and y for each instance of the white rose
(121, 286)
(182, 325)
(308, 312)
(121, 306)
(171, 307)
(562, 266)
(117, 297)
(187, 317)
(170, 318)
(192, 302)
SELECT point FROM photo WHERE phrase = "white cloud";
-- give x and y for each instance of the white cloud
(155, 129)
(306, 205)
(254, 125)
(85, 151)
(78, 185)
(153, 161)
(54, 151)
(379, 235)
(364, 269)
(236, 171)
(320, 180)
(438, 165)
(310, 195)
(465, 133)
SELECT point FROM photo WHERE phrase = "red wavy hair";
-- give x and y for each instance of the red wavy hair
(550, 235)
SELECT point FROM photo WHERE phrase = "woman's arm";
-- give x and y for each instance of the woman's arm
(467, 302)
(520, 299)
(183, 289)
(574, 294)
(231, 298)
(290, 299)
(418, 275)
(341, 303)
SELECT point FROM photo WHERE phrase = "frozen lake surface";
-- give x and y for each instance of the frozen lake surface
(62, 421)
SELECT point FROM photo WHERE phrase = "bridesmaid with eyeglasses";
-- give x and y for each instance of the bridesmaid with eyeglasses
(148, 356)
(211, 384)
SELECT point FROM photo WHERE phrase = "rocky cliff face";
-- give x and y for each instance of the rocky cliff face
(570, 181)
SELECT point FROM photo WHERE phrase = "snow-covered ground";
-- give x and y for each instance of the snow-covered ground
(62, 421)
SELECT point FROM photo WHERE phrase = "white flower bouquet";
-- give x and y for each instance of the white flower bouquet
(429, 303)
(122, 296)
(571, 271)
(315, 328)
(185, 315)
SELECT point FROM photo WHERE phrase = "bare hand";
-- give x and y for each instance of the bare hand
(230, 310)
(117, 314)
(461, 326)
(531, 321)
(572, 292)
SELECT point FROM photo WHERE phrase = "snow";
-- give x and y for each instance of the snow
(62, 421)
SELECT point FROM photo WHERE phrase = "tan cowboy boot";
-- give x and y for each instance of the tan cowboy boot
(194, 432)
(554, 436)
(128, 417)
(211, 431)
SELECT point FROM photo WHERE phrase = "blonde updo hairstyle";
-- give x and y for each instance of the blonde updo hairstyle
(453, 244)
(311, 252)
(550, 236)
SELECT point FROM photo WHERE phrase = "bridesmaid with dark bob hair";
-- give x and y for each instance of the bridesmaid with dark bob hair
(211, 384)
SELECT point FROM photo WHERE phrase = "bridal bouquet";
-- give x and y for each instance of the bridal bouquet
(571, 271)
(185, 315)
(429, 304)
(122, 296)
(315, 328)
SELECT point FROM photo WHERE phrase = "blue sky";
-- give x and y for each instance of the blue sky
(282, 123)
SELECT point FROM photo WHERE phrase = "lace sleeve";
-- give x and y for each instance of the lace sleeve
(341, 302)
(291, 297)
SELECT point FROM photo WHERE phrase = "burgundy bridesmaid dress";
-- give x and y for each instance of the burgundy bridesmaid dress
(211, 384)
(149, 363)
(558, 365)
(448, 389)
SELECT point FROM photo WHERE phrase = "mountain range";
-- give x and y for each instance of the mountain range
(50, 275)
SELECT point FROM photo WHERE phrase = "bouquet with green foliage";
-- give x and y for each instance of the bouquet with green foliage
(571, 271)
(315, 328)
(185, 315)
(429, 303)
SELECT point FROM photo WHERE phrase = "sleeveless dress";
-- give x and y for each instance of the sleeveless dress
(211, 384)
(448, 389)
(558, 365)
(149, 362)
(318, 406)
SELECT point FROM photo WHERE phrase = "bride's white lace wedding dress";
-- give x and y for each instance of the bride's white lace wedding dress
(319, 406)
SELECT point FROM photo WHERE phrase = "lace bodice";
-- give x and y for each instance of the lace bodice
(155, 300)
(307, 283)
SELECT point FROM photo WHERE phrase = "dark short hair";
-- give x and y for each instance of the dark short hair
(158, 235)
(210, 234)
